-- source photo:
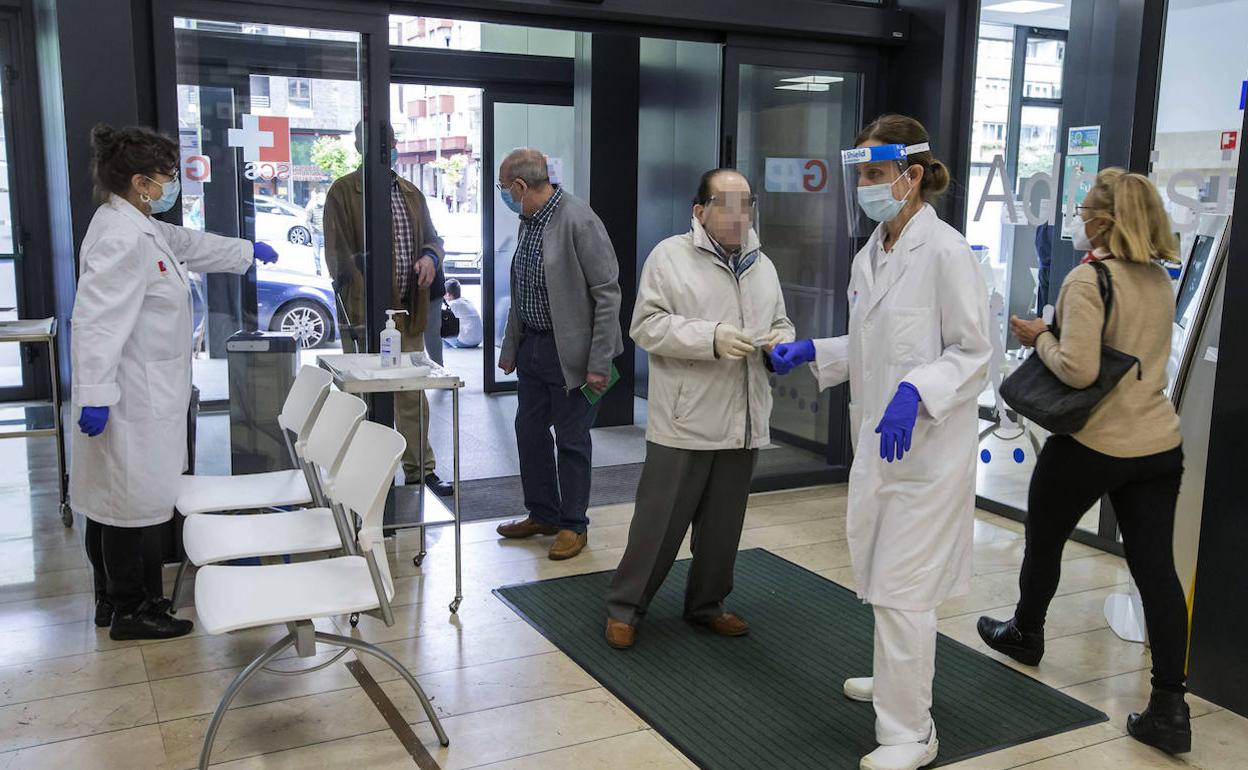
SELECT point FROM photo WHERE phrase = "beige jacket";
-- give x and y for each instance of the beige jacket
(698, 401)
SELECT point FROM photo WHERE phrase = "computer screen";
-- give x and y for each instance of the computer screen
(1202, 250)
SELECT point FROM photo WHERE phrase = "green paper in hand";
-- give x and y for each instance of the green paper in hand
(593, 397)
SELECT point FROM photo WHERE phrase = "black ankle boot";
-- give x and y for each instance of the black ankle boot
(103, 612)
(1166, 723)
(1027, 647)
(146, 623)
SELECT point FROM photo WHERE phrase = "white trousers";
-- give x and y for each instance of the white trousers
(905, 662)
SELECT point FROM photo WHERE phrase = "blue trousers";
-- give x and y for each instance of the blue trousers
(554, 471)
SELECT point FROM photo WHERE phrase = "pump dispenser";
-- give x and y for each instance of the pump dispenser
(391, 342)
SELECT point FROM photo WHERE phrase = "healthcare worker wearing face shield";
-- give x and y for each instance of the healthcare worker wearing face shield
(916, 357)
(131, 359)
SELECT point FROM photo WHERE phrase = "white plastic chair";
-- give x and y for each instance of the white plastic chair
(210, 538)
(275, 489)
(234, 598)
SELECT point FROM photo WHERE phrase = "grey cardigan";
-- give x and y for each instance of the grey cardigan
(582, 281)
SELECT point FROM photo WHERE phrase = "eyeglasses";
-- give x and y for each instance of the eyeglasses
(504, 187)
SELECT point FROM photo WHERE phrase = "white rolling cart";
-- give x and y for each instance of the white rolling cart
(415, 506)
(34, 420)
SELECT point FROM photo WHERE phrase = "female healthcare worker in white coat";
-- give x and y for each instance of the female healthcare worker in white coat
(131, 358)
(916, 357)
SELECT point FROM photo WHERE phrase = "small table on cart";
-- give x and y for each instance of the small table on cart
(415, 506)
(39, 419)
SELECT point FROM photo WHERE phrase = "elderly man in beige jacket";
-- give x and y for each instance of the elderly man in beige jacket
(708, 307)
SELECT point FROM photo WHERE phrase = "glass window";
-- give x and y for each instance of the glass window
(10, 352)
(1042, 71)
(261, 98)
(299, 93)
(458, 35)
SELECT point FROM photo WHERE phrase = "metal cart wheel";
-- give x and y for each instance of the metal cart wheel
(355, 619)
(67, 515)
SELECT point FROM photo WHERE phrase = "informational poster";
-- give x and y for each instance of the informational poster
(796, 175)
(196, 169)
(1076, 182)
(1084, 140)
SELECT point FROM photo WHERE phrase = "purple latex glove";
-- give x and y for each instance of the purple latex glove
(93, 420)
(787, 356)
(263, 252)
(897, 427)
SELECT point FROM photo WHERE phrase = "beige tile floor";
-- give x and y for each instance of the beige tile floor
(71, 698)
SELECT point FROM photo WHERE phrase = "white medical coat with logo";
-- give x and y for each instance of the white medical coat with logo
(131, 351)
(920, 316)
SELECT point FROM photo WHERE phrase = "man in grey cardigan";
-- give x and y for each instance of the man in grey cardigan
(563, 331)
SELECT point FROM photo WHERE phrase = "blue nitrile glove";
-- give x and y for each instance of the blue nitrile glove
(787, 356)
(93, 420)
(897, 427)
(263, 252)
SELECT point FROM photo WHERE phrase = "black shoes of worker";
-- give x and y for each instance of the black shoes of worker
(436, 485)
(147, 623)
(1027, 647)
(103, 613)
(1166, 724)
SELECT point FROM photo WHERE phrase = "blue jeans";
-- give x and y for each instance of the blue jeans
(555, 493)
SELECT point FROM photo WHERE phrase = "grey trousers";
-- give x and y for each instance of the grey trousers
(680, 487)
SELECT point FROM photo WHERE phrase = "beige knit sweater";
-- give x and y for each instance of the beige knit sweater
(1136, 419)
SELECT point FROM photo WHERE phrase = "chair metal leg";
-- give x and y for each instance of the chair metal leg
(280, 646)
(389, 660)
(177, 584)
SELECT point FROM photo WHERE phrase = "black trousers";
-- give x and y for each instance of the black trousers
(1069, 478)
(127, 564)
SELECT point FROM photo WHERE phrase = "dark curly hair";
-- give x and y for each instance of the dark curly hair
(120, 153)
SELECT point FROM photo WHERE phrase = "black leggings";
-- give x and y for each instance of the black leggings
(1069, 478)
(127, 564)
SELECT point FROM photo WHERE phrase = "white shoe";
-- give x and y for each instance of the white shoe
(861, 689)
(908, 756)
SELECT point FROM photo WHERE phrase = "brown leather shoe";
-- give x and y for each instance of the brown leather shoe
(568, 544)
(521, 528)
(620, 635)
(726, 624)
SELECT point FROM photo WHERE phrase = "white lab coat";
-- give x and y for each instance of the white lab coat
(131, 352)
(924, 320)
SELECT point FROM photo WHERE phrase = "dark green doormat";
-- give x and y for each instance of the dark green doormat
(773, 699)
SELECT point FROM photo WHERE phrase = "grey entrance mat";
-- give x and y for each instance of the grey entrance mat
(773, 699)
(503, 498)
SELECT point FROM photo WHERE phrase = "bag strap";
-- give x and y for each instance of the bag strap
(1105, 283)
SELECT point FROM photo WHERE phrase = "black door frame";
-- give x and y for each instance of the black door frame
(503, 79)
(836, 452)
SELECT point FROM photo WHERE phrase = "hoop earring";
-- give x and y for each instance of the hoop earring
(145, 197)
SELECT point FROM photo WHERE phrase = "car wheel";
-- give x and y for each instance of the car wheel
(299, 236)
(308, 321)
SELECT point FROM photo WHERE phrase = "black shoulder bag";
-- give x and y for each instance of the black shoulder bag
(450, 323)
(1036, 393)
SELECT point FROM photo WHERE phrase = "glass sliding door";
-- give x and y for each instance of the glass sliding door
(787, 117)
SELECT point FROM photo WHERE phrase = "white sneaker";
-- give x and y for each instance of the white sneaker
(861, 689)
(909, 756)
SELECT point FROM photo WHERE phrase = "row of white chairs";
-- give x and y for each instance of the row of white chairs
(346, 466)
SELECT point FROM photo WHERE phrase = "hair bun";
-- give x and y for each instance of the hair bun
(104, 138)
(936, 181)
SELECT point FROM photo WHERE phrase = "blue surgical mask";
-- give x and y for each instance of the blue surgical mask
(878, 203)
(511, 203)
(394, 157)
(169, 192)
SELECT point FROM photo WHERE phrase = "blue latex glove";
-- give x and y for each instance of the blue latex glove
(263, 252)
(897, 427)
(787, 356)
(93, 420)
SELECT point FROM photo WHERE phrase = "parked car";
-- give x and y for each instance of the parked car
(286, 301)
(279, 220)
(461, 240)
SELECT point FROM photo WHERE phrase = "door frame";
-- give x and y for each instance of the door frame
(866, 63)
(503, 79)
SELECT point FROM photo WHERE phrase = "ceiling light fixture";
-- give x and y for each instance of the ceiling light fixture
(817, 79)
(1023, 6)
(804, 87)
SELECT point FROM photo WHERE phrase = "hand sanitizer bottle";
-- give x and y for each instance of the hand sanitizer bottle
(391, 342)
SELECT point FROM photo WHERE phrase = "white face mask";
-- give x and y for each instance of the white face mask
(1079, 238)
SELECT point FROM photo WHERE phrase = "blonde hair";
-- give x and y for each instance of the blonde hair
(1138, 228)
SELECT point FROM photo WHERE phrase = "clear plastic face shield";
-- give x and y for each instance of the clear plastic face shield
(877, 184)
(729, 215)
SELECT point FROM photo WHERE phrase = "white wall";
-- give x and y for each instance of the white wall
(1205, 62)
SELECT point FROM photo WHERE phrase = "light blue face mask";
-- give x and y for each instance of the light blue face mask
(878, 203)
(169, 192)
(511, 203)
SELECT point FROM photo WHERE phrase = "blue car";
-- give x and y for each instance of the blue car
(292, 302)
